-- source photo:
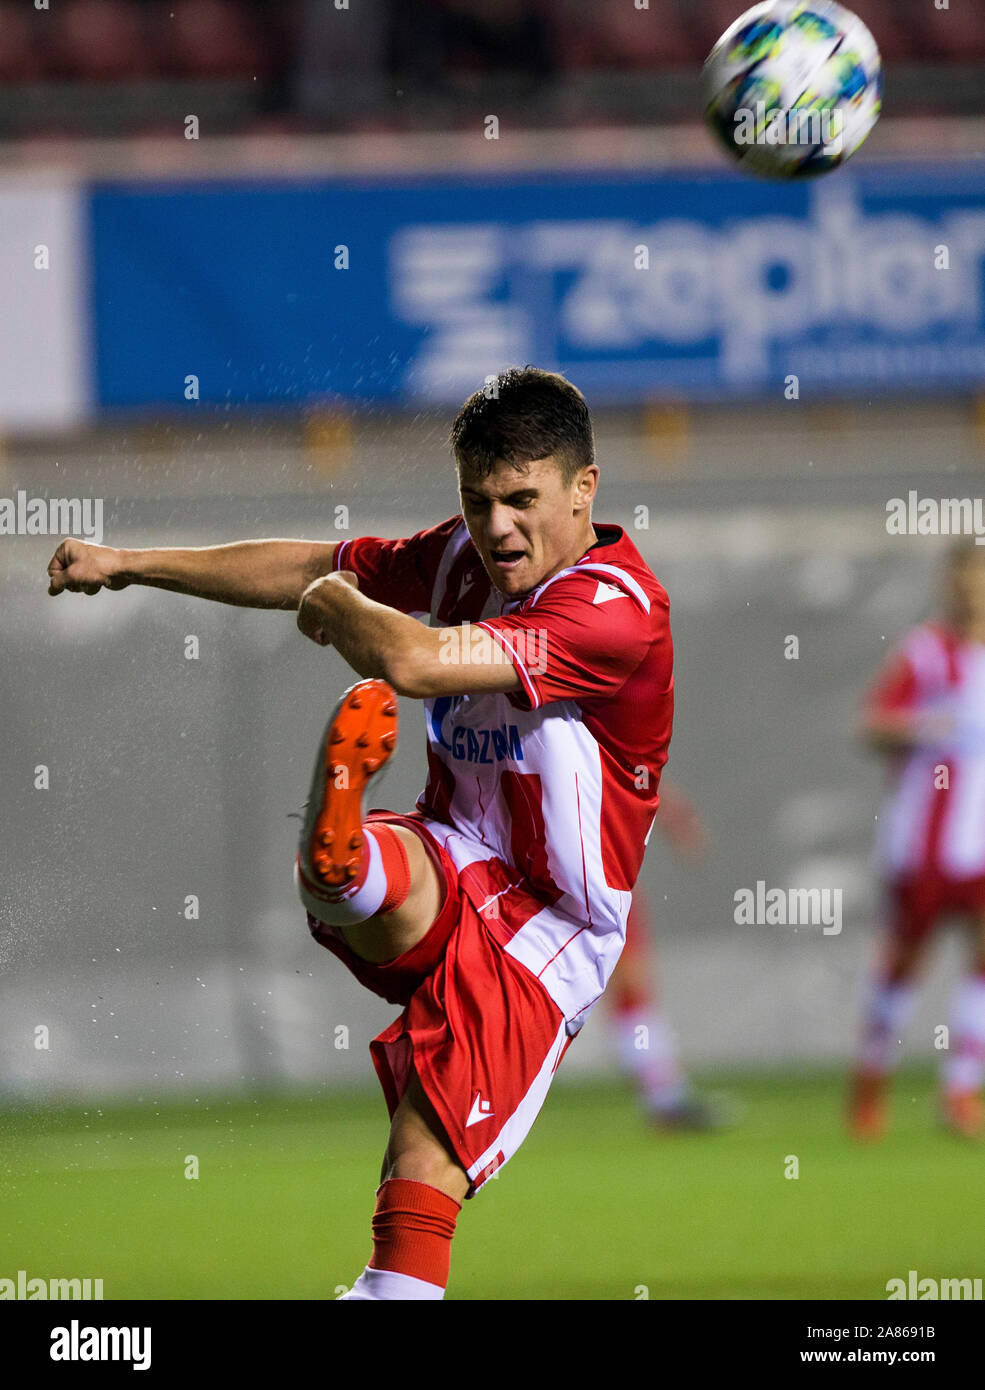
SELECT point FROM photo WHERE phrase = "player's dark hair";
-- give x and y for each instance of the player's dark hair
(522, 415)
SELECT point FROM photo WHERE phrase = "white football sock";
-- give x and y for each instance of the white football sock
(385, 1285)
(352, 904)
(963, 1067)
(887, 1013)
(647, 1050)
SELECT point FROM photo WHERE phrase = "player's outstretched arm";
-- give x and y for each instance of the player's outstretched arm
(252, 574)
(891, 720)
(419, 662)
(899, 731)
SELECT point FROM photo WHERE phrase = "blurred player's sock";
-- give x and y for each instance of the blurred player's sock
(867, 1110)
(963, 1070)
(647, 1050)
(887, 1013)
(964, 1064)
(412, 1233)
(888, 1009)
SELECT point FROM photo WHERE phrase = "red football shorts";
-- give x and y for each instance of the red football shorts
(482, 1033)
(918, 903)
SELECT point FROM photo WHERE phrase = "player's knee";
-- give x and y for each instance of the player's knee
(418, 1149)
(427, 1163)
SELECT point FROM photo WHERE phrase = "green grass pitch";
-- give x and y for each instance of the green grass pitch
(595, 1206)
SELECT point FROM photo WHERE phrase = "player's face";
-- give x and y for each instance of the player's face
(527, 524)
(966, 588)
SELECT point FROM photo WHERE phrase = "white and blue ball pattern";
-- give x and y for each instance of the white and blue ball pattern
(793, 87)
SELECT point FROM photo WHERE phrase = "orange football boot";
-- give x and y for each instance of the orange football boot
(359, 739)
(867, 1106)
(964, 1113)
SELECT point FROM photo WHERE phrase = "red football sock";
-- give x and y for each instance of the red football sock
(395, 865)
(412, 1230)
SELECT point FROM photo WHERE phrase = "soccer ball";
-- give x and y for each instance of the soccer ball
(793, 87)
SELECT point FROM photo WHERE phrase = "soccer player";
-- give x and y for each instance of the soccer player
(494, 911)
(926, 711)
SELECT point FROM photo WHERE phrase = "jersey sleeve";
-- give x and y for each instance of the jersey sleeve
(399, 573)
(567, 646)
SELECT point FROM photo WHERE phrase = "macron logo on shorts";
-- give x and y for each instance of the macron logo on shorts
(481, 1110)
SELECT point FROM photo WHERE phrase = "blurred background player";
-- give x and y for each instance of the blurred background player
(643, 1037)
(926, 712)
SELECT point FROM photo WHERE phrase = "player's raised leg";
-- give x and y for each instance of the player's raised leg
(376, 886)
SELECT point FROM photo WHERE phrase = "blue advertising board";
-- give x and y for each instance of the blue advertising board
(704, 286)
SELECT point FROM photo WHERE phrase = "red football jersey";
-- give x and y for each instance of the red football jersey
(545, 796)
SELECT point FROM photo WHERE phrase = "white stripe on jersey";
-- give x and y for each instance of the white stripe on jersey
(457, 543)
(638, 593)
(627, 579)
(503, 639)
(963, 846)
(927, 656)
(906, 818)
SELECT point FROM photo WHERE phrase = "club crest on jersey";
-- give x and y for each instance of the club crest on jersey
(488, 745)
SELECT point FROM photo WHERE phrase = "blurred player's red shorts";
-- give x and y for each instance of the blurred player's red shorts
(482, 1033)
(917, 904)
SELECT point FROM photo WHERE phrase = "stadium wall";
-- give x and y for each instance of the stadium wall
(149, 920)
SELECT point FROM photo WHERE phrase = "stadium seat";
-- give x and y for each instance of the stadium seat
(956, 34)
(656, 37)
(614, 34)
(21, 57)
(101, 40)
(889, 21)
(710, 19)
(572, 24)
(213, 38)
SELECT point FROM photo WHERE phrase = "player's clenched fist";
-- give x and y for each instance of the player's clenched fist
(318, 605)
(84, 568)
